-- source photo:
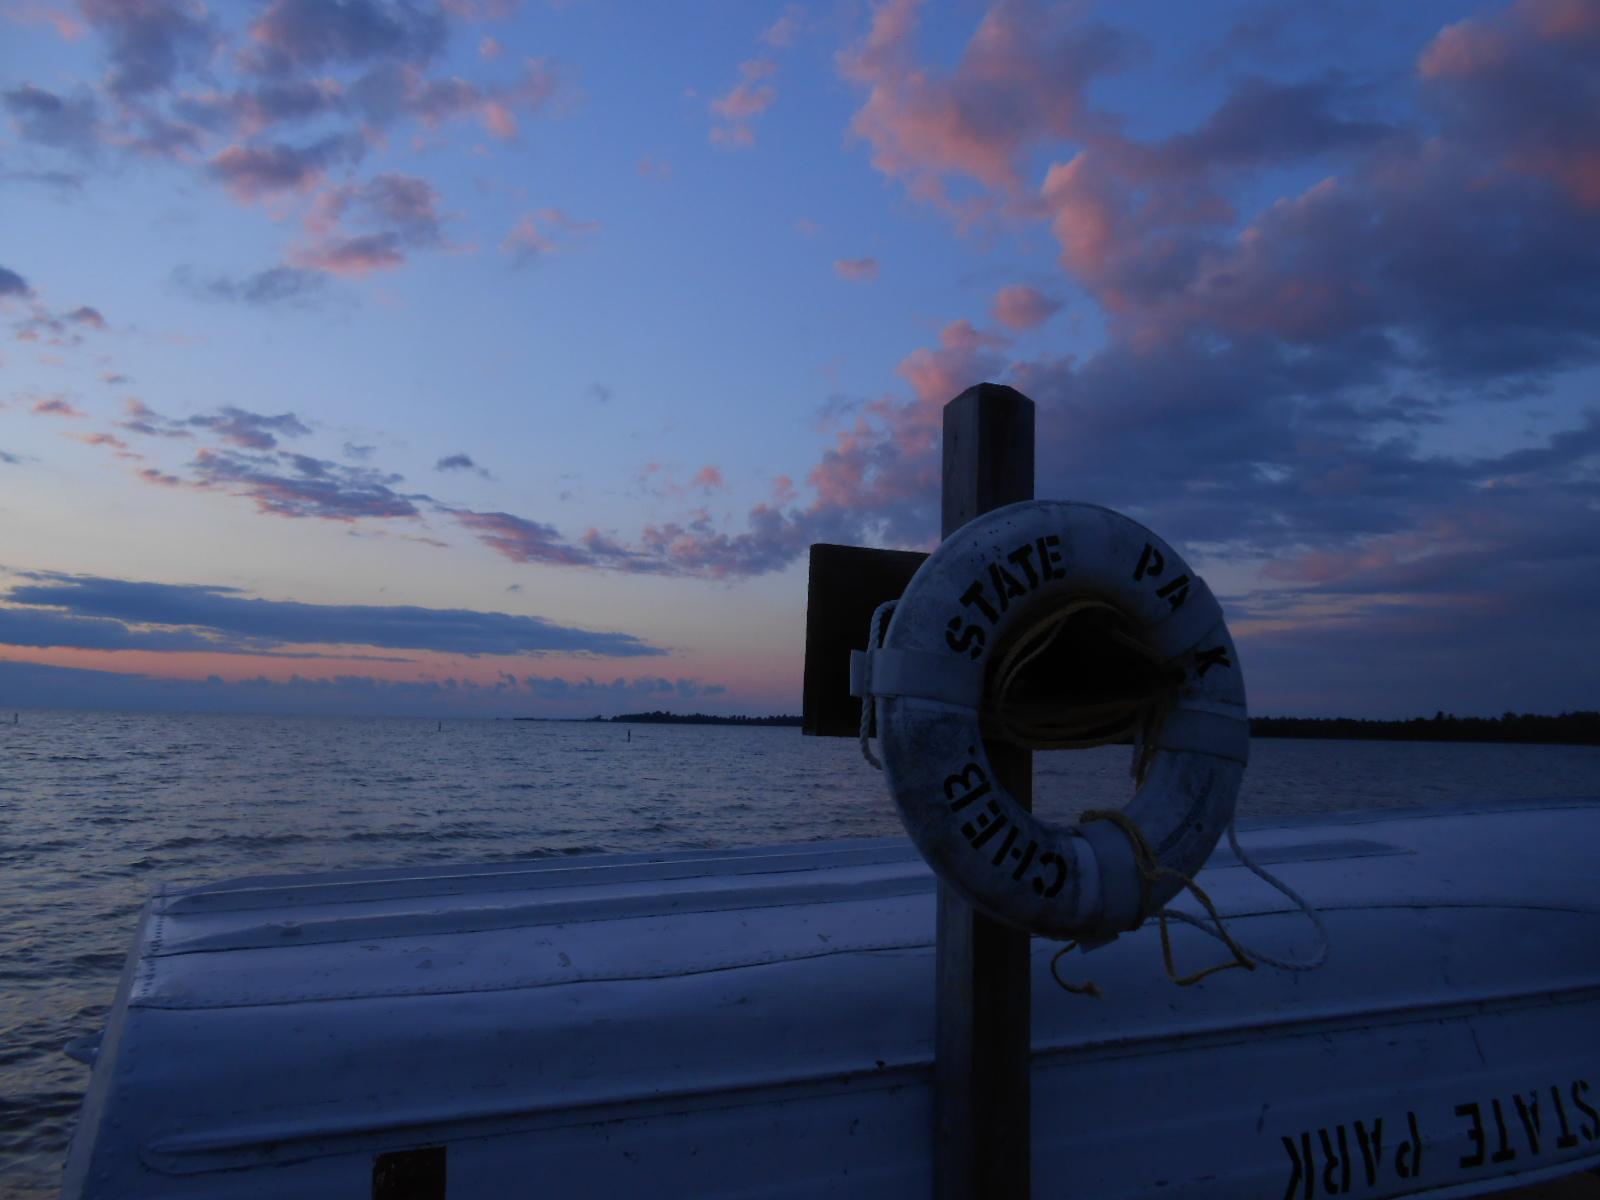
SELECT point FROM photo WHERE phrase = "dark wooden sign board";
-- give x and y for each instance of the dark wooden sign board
(847, 583)
(983, 1014)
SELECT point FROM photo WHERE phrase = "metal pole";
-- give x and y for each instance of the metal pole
(983, 1039)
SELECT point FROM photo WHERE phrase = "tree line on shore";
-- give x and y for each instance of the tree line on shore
(1571, 728)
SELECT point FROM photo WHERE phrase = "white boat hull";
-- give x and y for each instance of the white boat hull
(759, 1023)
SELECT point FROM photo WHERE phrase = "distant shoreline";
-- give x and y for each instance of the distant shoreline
(1567, 729)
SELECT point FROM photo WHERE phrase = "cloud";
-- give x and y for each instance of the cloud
(397, 213)
(247, 460)
(1021, 81)
(543, 232)
(42, 12)
(251, 431)
(65, 183)
(1020, 307)
(66, 687)
(652, 167)
(300, 486)
(272, 286)
(229, 424)
(461, 462)
(783, 32)
(1522, 79)
(42, 324)
(48, 119)
(251, 173)
(305, 34)
(57, 406)
(738, 108)
(12, 284)
(94, 612)
(150, 42)
(85, 315)
(522, 540)
(116, 444)
(140, 418)
(858, 269)
(709, 479)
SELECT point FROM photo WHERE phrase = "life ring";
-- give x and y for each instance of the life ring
(977, 592)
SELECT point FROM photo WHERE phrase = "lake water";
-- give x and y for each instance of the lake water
(96, 806)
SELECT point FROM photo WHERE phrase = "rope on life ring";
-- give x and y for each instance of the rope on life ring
(1050, 624)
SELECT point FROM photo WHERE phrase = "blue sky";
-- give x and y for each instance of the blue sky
(483, 357)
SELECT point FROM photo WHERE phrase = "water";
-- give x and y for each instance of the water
(96, 806)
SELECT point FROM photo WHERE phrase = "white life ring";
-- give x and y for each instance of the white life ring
(982, 586)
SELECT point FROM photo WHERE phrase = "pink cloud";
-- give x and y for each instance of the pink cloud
(1020, 307)
(251, 173)
(543, 232)
(57, 406)
(67, 25)
(1522, 83)
(521, 540)
(357, 229)
(353, 257)
(435, 101)
(1020, 81)
(85, 315)
(110, 440)
(783, 32)
(489, 49)
(708, 478)
(857, 269)
(743, 103)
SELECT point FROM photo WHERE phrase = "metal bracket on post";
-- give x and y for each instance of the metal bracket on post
(983, 1026)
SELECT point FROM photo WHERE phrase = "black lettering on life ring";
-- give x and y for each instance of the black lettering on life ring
(1151, 562)
(1053, 889)
(969, 643)
(1049, 557)
(974, 779)
(1175, 592)
(985, 825)
(974, 595)
(1005, 585)
(1022, 557)
(1024, 857)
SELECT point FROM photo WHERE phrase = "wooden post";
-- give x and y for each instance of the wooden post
(983, 1035)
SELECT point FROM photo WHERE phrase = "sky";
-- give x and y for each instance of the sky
(485, 358)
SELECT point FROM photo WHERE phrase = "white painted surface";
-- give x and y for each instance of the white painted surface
(759, 1022)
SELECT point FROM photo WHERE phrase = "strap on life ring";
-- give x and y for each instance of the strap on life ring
(984, 620)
